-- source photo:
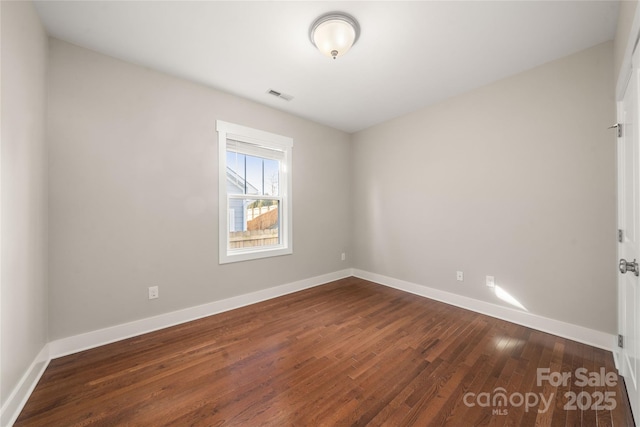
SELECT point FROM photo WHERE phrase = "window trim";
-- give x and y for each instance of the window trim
(265, 139)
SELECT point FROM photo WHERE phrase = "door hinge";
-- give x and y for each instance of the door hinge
(620, 341)
(620, 236)
(617, 126)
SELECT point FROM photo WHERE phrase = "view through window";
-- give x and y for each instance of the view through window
(254, 220)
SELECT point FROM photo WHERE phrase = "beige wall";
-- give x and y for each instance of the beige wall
(515, 179)
(134, 203)
(23, 194)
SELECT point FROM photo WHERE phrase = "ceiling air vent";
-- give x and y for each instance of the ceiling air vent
(280, 95)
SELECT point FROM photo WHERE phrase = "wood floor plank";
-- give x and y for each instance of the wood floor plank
(350, 352)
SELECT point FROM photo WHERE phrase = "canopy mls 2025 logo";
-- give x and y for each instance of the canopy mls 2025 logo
(500, 401)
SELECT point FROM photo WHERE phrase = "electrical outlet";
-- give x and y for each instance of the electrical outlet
(344, 256)
(153, 292)
(491, 281)
(459, 276)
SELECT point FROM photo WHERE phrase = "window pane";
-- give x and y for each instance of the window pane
(236, 176)
(260, 220)
(271, 177)
(252, 175)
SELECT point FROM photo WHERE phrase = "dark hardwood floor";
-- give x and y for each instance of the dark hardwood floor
(347, 353)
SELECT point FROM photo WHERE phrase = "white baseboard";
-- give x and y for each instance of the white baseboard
(20, 394)
(76, 343)
(573, 332)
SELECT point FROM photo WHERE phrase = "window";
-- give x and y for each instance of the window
(255, 193)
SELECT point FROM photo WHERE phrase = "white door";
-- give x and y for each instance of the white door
(629, 246)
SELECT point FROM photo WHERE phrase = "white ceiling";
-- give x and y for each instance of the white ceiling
(409, 55)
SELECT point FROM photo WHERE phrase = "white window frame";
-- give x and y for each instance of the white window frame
(273, 142)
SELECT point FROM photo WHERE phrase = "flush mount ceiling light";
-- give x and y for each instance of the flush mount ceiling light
(334, 33)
